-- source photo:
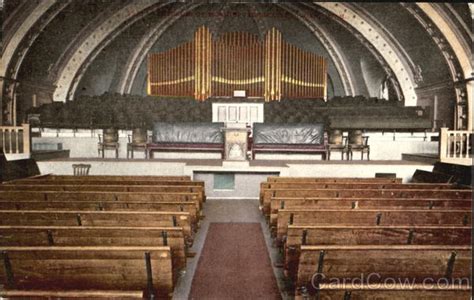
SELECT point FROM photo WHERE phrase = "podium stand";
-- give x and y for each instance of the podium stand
(235, 143)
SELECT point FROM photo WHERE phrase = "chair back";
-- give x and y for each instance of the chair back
(111, 135)
(335, 137)
(139, 136)
(355, 137)
(81, 169)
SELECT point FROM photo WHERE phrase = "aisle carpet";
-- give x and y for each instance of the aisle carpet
(234, 264)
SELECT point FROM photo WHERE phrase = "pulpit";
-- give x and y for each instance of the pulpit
(236, 143)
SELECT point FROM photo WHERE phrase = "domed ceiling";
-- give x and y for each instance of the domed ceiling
(70, 48)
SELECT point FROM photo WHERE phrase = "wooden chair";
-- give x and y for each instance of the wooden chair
(137, 141)
(337, 142)
(108, 141)
(81, 169)
(358, 142)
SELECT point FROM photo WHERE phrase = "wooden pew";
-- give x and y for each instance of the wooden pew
(190, 207)
(99, 218)
(354, 185)
(331, 179)
(374, 264)
(364, 203)
(363, 193)
(266, 187)
(105, 188)
(100, 196)
(390, 292)
(298, 236)
(111, 177)
(71, 294)
(99, 181)
(88, 268)
(78, 236)
(369, 217)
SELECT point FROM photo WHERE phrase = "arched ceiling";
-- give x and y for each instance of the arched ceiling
(88, 30)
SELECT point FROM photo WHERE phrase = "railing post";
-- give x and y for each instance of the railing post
(443, 143)
(26, 138)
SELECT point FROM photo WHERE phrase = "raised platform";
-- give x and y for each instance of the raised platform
(248, 175)
(429, 158)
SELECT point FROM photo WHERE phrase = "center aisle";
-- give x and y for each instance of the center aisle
(234, 264)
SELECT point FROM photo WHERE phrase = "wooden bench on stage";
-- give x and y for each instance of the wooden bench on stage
(290, 138)
(147, 269)
(187, 137)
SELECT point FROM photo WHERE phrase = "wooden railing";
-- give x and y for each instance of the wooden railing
(455, 146)
(15, 139)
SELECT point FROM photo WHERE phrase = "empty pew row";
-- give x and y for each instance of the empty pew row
(102, 182)
(80, 236)
(390, 291)
(99, 218)
(363, 193)
(109, 177)
(4, 189)
(378, 264)
(147, 269)
(105, 216)
(332, 179)
(266, 188)
(118, 187)
(367, 217)
(41, 205)
(100, 196)
(298, 236)
(305, 214)
(364, 203)
(70, 294)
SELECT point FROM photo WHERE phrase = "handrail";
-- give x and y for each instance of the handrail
(15, 139)
(455, 146)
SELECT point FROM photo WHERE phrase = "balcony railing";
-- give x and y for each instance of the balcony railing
(455, 146)
(15, 139)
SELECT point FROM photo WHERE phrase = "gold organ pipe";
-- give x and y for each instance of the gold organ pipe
(319, 74)
(313, 81)
(303, 72)
(301, 77)
(306, 73)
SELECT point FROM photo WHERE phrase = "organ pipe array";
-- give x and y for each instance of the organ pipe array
(205, 67)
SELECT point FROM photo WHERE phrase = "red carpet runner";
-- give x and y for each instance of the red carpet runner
(234, 264)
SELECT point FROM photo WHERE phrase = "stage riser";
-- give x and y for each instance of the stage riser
(382, 147)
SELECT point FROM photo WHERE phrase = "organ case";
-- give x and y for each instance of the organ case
(205, 67)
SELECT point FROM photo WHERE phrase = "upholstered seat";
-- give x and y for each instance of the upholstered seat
(358, 142)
